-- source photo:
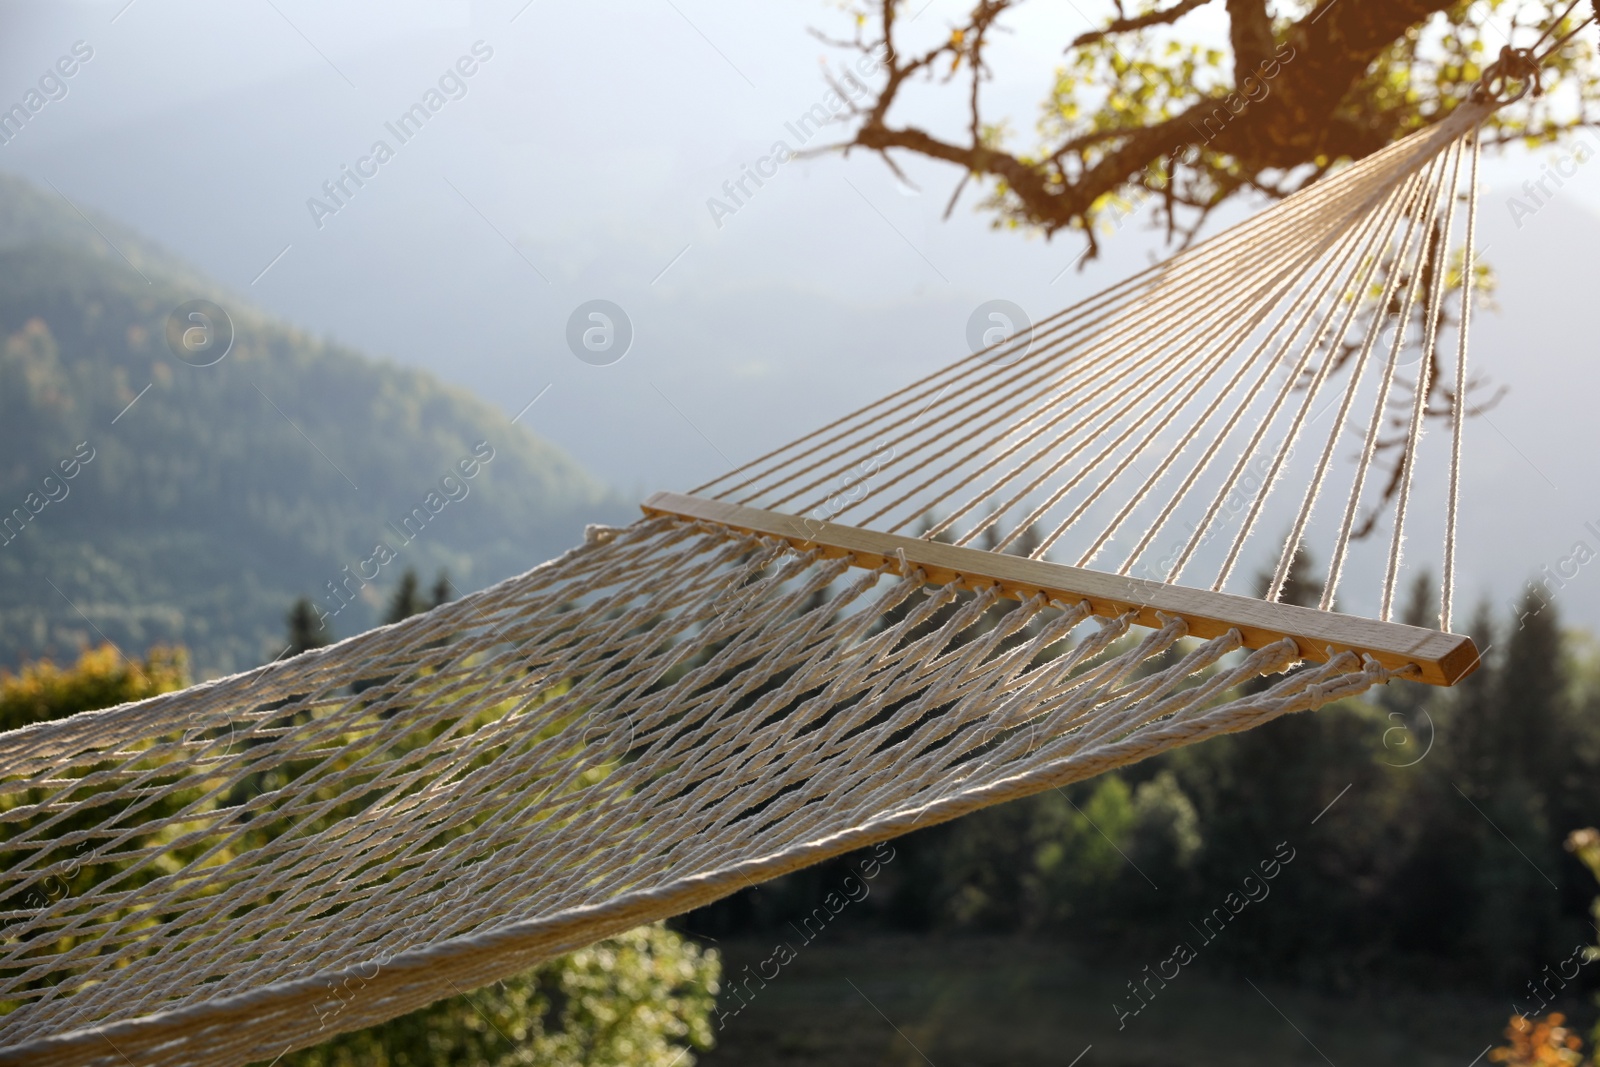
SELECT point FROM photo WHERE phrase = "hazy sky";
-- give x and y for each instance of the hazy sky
(575, 163)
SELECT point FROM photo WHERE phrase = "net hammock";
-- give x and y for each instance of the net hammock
(772, 670)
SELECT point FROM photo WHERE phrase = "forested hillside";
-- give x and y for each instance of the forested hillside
(197, 514)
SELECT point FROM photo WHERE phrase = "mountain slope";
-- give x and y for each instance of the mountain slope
(200, 512)
(30, 215)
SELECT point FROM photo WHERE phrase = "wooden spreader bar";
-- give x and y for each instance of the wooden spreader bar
(1443, 659)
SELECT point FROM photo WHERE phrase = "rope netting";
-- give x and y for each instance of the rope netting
(647, 724)
(674, 711)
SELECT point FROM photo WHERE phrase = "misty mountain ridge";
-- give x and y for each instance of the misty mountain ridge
(203, 499)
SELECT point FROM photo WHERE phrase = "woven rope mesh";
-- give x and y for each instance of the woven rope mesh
(561, 757)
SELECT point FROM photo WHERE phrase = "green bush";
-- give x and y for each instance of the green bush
(632, 1001)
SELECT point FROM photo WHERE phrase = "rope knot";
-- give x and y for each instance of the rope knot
(1514, 65)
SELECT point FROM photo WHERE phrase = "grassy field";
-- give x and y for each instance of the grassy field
(883, 1002)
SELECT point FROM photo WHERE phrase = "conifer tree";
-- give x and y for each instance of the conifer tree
(442, 590)
(306, 630)
(406, 600)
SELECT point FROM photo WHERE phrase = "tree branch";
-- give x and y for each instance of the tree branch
(1298, 118)
(1250, 31)
(1128, 25)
